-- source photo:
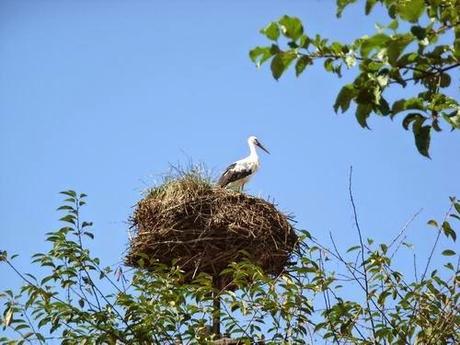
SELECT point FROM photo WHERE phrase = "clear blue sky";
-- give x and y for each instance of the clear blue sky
(100, 96)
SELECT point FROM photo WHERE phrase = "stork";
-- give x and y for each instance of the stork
(238, 174)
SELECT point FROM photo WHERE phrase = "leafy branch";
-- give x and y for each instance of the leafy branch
(383, 60)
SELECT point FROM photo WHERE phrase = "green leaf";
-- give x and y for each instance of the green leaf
(407, 104)
(291, 27)
(457, 48)
(422, 136)
(414, 103)
(369, 93)
(410, 118)
(21, 326)
(305, 233)
(65, 207)
(449, 266)
(277, 66)
(341, 4)
(256, 52)
(69, 193)
(457, 207)
(89, 234)
(384, 107)
(393, 25)
(353, 248)
(396, 45)
(411, 10)
(31, 276)
(448, 231)
(329, 64)
(362, 113)
(374, 42)
(281, 62)
(453, 119)
(271, 31)
(8, 317)
(398, 106)
(68, 218)
(418, 32)
(369, 5)
(432, 222)
(435, 125)
(301, 63)
(43, 322)
(259, 55)
(343, 100)
(445, 80)
(448, 252)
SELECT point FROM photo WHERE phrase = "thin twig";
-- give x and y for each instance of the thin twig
(363, 259)
(404, 228)
(31, 325)
(327, 303)
(436, 241)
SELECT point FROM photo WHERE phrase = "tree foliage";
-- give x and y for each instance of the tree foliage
(76, 300)
(419, 46)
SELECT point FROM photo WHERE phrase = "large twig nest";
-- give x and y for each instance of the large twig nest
(191, 223)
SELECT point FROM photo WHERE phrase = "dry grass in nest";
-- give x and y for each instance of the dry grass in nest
(189, 222)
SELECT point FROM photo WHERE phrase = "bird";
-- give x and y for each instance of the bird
(238, 174)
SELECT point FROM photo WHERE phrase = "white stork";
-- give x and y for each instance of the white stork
(238, 174)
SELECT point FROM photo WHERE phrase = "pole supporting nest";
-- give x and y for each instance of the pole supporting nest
(216, 308)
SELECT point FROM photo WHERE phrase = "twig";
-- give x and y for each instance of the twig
(404, 228)
(337, 256)
(31, 325)
(363, 260)
(327, 302)
(436, 241)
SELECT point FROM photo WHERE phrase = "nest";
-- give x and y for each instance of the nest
(189, 222)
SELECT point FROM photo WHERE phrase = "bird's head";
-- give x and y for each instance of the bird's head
(252, 140)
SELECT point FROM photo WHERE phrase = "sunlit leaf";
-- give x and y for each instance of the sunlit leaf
(376, 41)
(396, 45)
(411, 10)
(272, 31)
(291, 27)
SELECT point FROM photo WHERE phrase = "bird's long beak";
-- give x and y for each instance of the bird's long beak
(263, 148)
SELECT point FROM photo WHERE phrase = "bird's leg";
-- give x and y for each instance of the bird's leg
(242, 187)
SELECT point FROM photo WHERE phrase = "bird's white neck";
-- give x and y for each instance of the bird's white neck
(253, 151)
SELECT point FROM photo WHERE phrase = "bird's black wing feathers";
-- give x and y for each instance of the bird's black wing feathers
(230, 175)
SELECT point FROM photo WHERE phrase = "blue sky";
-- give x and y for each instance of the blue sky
(101, 96)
